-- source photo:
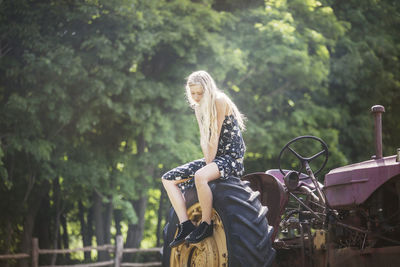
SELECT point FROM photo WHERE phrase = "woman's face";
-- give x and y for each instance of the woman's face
(196, 91)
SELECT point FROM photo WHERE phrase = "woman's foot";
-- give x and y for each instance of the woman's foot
(184, 229)
(201, 232)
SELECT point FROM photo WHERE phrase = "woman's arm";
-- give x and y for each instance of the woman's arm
(198, 122)
(211, 152)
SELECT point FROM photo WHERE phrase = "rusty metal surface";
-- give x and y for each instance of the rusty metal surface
(272, 194)
(349, 257)
(377, 110)
(345, 257)
(304, 179)
(351, 185)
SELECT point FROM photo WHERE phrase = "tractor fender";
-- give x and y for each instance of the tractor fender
(273, 194)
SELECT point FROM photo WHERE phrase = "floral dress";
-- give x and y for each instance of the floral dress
(229, 157)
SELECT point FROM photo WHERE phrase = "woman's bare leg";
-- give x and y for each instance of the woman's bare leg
(202, 177)
(176, 198)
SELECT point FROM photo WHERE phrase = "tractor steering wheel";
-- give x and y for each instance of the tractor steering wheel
(302, 159)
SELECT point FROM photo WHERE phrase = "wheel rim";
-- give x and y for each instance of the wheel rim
(212, 251)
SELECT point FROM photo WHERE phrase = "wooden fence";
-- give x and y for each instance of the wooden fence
(118, 250)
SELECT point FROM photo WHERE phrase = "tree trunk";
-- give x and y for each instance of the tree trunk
(135, 231)
(33, 203)
(9, 234)
(42, 228)
(86, 240)
(56, 199)
(42, 223)
(107, 221)
(89, 227)
(118, 219)
(27, 235)
(109, 211)
(65, 234)
(99, 225)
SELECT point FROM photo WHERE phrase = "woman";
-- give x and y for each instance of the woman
(220, 124)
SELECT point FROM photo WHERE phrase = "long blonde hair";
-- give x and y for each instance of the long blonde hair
(207, 108)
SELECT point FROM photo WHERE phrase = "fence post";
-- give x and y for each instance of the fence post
(35, 252)
(119, 247)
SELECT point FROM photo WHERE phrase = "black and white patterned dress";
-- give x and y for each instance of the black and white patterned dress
(229, 157)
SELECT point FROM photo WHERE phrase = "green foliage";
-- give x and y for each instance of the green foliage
(287, 48)
(365, 71)
(151, 217)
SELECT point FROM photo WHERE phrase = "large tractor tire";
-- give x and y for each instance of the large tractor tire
(242, 236)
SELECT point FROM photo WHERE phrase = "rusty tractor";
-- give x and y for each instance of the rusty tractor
(352, 219)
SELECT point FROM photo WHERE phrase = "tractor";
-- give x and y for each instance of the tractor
(287, 217)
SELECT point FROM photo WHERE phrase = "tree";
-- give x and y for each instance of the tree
(365, 72)
(283, 88)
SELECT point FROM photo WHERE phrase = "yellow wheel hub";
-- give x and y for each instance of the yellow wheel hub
(211, 252)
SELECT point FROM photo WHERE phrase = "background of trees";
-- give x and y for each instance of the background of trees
(93, 110)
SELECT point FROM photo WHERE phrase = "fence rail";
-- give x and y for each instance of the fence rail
(95, 264)
(118, 250)
(110, 248)
(14, 256)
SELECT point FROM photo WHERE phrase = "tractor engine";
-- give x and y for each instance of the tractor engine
(379, 214)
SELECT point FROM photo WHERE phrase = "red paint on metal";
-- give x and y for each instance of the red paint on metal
(272, 194)
(351, 185)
